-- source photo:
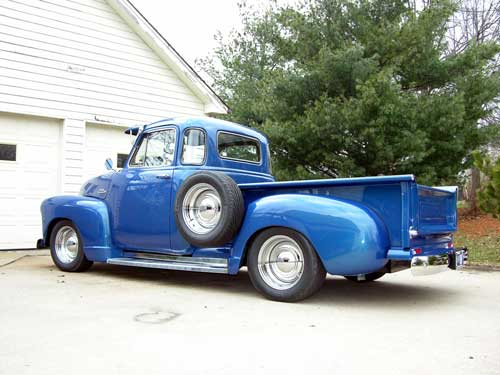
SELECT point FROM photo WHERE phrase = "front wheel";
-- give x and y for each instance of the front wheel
(283, 265)
(66, 248)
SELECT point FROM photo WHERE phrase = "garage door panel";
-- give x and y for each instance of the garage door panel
(6, 214)
(7, 241)
(9, 181)
(43, 186)
(37, 177)
(33, 226)
(6, 222)
(104, 142)
(25, 183)
(35, 154)
(31, 203)
(47, 171)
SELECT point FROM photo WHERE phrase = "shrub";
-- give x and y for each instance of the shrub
(489, 193)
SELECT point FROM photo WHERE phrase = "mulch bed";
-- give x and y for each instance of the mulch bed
(483, 225)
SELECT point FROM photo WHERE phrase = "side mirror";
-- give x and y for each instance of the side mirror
(108, 164)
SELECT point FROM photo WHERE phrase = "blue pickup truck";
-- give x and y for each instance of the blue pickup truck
(197, 194)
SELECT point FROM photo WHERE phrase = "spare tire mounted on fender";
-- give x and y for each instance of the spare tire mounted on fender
(209, 209)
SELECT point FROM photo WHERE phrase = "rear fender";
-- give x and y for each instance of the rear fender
(349, 238)
(91, 218)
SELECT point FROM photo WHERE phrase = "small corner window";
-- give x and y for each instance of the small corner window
(193, 147)
(238, 147)
(121, 159)
(8, 152)
(156, 150)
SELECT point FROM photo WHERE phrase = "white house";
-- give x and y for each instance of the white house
(73, 75)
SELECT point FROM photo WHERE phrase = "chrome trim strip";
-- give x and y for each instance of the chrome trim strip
(429, 264)
(175, 258)
(181, 266)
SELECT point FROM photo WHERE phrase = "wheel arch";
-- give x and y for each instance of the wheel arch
(348, 237)
(252, 238)
(89, 216)
(50, 228)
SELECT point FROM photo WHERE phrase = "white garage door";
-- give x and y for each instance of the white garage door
(102, 142)
(29, 173)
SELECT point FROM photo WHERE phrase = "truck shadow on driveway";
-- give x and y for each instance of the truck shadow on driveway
(336, 290)
(339, 291)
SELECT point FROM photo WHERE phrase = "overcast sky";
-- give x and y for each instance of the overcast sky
(189, 25)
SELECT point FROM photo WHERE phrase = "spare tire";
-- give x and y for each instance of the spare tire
(209, 209)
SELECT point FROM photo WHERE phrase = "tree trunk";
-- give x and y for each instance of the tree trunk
(475, 182)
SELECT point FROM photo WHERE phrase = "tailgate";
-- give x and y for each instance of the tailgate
(436, 210)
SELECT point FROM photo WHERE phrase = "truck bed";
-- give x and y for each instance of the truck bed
(404, 206)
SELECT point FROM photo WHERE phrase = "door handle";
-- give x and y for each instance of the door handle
(164, 176)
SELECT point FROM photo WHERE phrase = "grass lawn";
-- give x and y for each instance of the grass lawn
(481, 235)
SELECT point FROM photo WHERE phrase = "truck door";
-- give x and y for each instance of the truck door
(140, 194)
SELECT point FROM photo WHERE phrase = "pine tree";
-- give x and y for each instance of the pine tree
(354, 88)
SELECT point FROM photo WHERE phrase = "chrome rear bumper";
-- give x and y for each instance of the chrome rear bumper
(430, 264)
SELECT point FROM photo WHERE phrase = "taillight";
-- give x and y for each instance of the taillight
(417, 251)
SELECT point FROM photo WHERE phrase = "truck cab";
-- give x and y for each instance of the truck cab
(197, 194)
(164, 154)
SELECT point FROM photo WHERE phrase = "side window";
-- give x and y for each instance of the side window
(238, 147)
(193, 147)
(156, 149)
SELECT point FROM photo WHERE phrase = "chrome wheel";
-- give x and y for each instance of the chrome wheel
(66, 244)
(201, 208)
(280, 262)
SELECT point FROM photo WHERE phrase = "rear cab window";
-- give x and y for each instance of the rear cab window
(238, 147)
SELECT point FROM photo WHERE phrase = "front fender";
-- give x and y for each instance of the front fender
(91, 218)
(349, 238)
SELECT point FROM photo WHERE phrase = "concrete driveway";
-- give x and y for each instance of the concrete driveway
(115, 320)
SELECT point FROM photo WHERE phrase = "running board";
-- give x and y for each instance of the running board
(213, 265)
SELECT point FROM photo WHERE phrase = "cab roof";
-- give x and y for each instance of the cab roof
(209, 124)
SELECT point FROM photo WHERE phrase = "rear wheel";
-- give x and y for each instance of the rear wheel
(283, 265)
(66, 248)
(367, 278)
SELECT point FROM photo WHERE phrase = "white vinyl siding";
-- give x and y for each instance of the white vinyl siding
(79, 59)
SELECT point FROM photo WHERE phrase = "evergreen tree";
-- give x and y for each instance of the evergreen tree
(353, 88)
